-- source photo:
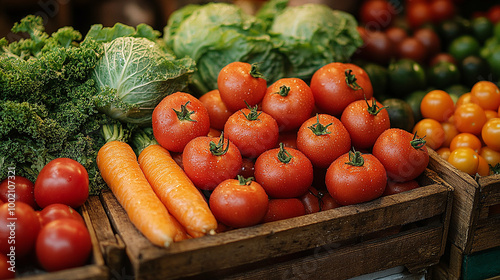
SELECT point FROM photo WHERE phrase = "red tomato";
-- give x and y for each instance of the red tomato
(58, 211)
(323, 139)
(377, 14)
(284, 172)
(315, 201)
(430, 39)
(7, 267)
(336, 85)
(289, 101)
(19, 227)
(440, 57)
(284, 208)
(239, 84)
(399, 187)
(62, 180)
(493, 14)
(396, 34)
(252, 131)
(239, 202)
(442, 10)
(217, 111)
(354, 178)
(18, 188)
(412, 48)
(63, 244)
(179, 118)
(247, 168)
(209, 160)
(403, 156)
(377, 46)
(365, 120)
(417, 14)
(289, 139)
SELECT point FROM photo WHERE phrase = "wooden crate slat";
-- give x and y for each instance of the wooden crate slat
(486, 235)
(490, 190)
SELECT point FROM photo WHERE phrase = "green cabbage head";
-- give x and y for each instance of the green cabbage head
(134, 74)
(217, 34)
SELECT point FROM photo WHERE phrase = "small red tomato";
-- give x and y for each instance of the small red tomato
(377, 14)
(62, 180)
(316, 201)
(240, 84)
(336, 85)
(412, 48)
(365, 120)
(396, 34)
(247, 168)
(58, 211)
(493, 14)
(19, 227)
(284, 208)
(179, 118)
(377, 46)
(208, 161)
(399, 187)
(417, 14)
(323, 139)
(18, 188)
(252, 131)
(217, 111)
(430, 39)
(63, 244)
(403, 156)
(289, 101)
(442, 10)
(355, 178)
(284, 173)
(239, 202)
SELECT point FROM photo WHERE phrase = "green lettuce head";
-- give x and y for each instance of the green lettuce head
(313, 35)
(134, 74)
(217, 34)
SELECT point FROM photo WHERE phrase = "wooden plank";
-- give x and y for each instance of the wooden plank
(486, 234)
(490, 190)
(242, 246)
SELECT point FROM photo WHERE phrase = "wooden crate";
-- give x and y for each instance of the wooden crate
(472, 228)
(96, 268)
(336, 244)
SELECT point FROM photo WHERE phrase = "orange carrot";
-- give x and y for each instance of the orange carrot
(183, 200)
(120, 170)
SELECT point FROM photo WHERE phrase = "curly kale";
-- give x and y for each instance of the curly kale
(46, 101)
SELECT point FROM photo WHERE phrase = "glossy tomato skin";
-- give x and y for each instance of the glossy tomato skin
(363, 126)
(469, 117)
(399, 187)
(237, 85)
(18, 236)
(323, 149)
(62, 180)
(6, 271)
(239, 205)
(402, 161)
(283, 208)
(284, 179)
(217, 111)
(349, 184)
(173, 132)
(331, 91)
(432, 130)
(412, 48)
(252, 137)
(438, 105)
(315, 201)
(63, 244)
(18, 188)
(491, 134)
(377, 46)
(58, 211)
(205, 167)
(486, 94)
(377, 14)
(289, 101)
(464, 159)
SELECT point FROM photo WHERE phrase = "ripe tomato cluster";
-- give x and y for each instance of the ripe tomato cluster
(265, 153)
(467, 132)
(39, 225)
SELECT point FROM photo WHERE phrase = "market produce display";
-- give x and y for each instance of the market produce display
(229, 120)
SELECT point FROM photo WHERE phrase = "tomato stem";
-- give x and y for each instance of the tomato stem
(355, 158)
(374, 109)
(319, 196)
(254, 113)
(283, 155)
(284, 90)
(242, 181)
(254, 71)
(495, 169)
(318, 128)
(351, 80)
(184, 114)
(417, 143)
(218, 149)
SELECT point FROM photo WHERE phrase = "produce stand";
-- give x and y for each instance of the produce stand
(472, 229)
(406, 229)
(96, 269)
